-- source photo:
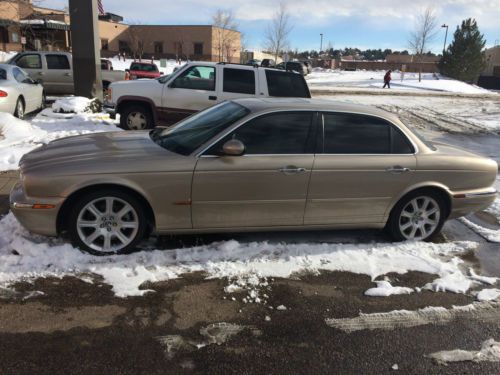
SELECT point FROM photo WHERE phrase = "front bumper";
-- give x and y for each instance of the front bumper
(39, 221)
(464, 203)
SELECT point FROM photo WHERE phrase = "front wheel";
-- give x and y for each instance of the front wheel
(107, 222)
(417, 217)
(136, 117)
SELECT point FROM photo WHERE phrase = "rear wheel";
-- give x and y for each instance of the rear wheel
(19, 112)
(136, 117)
(107, 222)
(419, 216)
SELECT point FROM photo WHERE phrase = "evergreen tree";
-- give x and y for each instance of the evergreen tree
(464, 59)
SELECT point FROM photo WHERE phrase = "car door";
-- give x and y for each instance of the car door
(193, 90)
(30, 91)
(238, 82)
(32, 64)
(59, 75)
(265, 187)
(363, 162)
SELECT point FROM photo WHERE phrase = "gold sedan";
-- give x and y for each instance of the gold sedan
(250, 165)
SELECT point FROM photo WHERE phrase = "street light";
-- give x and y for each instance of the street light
(445, 36)
(321, 44)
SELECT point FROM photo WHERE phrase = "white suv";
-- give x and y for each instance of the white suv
(142, 104)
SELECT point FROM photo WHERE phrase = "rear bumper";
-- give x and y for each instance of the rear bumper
(464, 203)
(39, 221)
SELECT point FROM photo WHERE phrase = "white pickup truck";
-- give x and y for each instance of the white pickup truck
(54, 70)
(142, 104)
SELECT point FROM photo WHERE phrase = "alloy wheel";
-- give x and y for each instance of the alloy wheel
(420, 218)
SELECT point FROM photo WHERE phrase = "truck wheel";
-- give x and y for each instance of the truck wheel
(136, 117)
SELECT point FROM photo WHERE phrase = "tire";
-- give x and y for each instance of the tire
(136, 117)
(91, 222)
(44, 101)
(418, 216)
(19, 112)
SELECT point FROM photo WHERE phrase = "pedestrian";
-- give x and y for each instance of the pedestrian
(387, 79)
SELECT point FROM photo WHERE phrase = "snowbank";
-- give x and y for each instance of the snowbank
(72, 104)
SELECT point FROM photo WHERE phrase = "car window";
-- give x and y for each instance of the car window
(20, 76)
(240, 81)
(347, 133)
(285, 84)
(59, 62)
(3, 74)
(278, 133)
(144, 67)
(196, 78)
(29, 62)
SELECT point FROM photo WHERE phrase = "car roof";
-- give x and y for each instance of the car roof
(283, 104)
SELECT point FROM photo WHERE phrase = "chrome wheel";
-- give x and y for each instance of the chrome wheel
(107, 224)
(420, 218)
(137, 121)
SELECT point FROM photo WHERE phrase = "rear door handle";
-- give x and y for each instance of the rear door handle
(397, 169)
(212, 98)
(292, 170)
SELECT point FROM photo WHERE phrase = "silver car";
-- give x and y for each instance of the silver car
(250, 165)
(19, 94)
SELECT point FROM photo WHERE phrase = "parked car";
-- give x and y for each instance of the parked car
(250, 165)
(195, 86)
(106, 64)
(55, 71)
(254, 62)
(295, 66)
(268, 63)
(19, 94)
(143, 70)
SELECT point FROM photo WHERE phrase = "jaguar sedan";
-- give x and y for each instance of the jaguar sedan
(250, 165)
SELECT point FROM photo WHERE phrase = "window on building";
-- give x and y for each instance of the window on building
(57, 62)
(158, 48)
(105, 44)
(14, 37)
(30, 62)
(239, 81)
(198, 49)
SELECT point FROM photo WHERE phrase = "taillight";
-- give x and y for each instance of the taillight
(3, 94)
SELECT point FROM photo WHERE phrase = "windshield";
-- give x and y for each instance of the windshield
(185, 137)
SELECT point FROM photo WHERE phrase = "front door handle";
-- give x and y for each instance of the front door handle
(291, 169)
(397, 169)
(211, 97)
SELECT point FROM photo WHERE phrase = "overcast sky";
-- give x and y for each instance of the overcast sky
(345, 23)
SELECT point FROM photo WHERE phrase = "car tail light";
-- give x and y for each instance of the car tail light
(3, 94)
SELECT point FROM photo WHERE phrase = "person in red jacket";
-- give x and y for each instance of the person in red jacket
(387, 79)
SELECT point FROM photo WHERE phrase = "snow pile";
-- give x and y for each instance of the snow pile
(385, 289)
(488, 294)
(27, 256)
(253, 285)
(490, 352)
(71, 104)
(455, 282)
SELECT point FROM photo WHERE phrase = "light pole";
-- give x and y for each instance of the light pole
(445, 36)
(321, 43)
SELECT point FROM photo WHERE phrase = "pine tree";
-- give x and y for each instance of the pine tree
(464, 59)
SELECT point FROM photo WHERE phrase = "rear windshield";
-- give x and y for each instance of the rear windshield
(3, 74)
(144, 67)
(286, 84)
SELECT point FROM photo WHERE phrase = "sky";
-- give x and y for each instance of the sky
(352, 23)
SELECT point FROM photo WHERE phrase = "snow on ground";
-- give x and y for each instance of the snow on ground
(321, 79)
(492, 235)
(385, 289)
(4, 56)
(24, 256)
(489, 352)
(17, 137)
(488, 295)
(494, 209)
(119, 64)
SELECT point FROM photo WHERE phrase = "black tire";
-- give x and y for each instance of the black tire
(393, 224)
(114, 193)
(20, 108)
(141, 110)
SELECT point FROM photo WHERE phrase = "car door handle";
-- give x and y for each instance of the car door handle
(397, 169)
(41, 73)
(212, 98)
(291, 170)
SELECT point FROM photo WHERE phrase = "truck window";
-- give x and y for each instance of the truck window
(240, 81)
(285, 84)
(59, 62)
(32, 61)
(196, 78)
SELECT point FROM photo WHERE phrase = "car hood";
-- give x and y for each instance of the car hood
(96, 153)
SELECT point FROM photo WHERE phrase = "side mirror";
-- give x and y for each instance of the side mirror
(233, 147)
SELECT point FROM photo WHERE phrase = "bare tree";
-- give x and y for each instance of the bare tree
(422, 35)
(226, 34)
(277, 32)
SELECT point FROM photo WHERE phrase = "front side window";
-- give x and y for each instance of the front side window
(347, 133)
(240, 81)
(57, 62)
(29, 62)
(196, 78)
(285, 84)
(275, 134)
(20, 76)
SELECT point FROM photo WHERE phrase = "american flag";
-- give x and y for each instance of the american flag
(100, 7)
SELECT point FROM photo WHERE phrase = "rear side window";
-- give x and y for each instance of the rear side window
(240, 81)
(144, 67)
(29, 62)
(285, 84)
(3, 74)
(59, 62)
(346, 133)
